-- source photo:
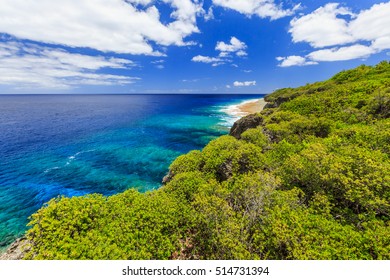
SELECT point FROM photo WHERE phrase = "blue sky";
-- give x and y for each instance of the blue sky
(185, 46)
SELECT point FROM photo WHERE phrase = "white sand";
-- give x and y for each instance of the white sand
(246, 107)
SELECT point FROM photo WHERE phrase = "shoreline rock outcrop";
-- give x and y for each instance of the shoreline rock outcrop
(245, 123)
(17, 250)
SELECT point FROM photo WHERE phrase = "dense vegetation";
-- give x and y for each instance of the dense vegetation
(311, 181)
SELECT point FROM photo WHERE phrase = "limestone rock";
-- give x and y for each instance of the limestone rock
(245, 123)
(167, 178)
(17, 250)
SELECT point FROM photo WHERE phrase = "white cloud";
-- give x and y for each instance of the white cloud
(261, 8)
(381, 44)
(226, 50)
(241, 53)
(234, 46)
(140, 2)
(331, 54)
(322, 28)
(206, 59)
(209, 15)
(339, 54)
(352, 36)
(106, 25)
(244, 84)
(372, 24)
(26, 65)
(215, 64)
(294, 60)
(224, 54)
(158, 61)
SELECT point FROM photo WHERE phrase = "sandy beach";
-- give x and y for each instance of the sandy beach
(246, 107)
(252, 106)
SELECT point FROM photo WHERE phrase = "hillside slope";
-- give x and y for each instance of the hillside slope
(310, 180)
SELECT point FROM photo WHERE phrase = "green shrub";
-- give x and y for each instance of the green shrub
(354, 178)
(256, 137)
(187, 163)
(227, 156)
(125, 226)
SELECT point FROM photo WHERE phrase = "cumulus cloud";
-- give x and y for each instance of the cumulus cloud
(322, 28)
(244, 84)
(241, 53)
(372, 24)
(339, 34)
(226, 50)
(158, 61)
(206, 59)
(340, 54)
(209, 15)
(25, 65)
(294, 60)
(235, 46)
(381, 44)
(106, 25)
(260, 8)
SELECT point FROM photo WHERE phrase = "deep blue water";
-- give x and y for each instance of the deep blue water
(72, 145)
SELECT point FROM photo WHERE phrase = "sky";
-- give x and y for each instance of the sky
(185, 46)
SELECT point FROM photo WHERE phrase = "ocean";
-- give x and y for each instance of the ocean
(73, 145)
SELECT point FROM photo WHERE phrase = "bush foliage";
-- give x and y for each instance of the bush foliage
(311, 182)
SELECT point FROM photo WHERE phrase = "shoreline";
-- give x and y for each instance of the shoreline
(251, 106)
(245, 108)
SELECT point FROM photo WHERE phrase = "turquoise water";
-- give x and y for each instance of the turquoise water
(73, 145)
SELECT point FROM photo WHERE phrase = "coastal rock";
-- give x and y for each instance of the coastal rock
(275, 100)
(245, 123)
(167, 178)
(278, 101)
(270, 105)
(17, 250)
(225, 171)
